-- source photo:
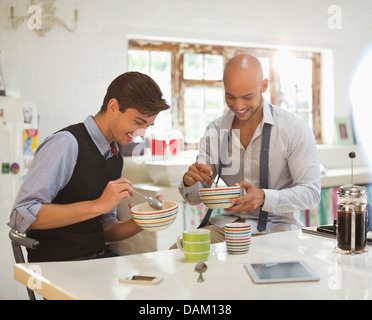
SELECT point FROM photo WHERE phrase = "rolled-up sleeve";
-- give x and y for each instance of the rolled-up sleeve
(22, 217)
(190, 194)
(50, 171)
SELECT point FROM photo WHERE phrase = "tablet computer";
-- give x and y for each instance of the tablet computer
(283, 271)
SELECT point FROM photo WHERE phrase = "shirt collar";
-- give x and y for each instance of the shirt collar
(98, 137)
(267, 115)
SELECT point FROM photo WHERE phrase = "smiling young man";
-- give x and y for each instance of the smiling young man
(286, 158)
(69, 196)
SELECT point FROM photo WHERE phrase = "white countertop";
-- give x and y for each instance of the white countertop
(341, 277)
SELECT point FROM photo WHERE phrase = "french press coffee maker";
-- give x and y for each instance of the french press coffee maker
(351, 217)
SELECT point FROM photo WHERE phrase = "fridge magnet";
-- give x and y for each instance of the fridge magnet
(29, 141)
(344, 131)
(14, 168)
(1, 113)
(5, 168)
(27, 115)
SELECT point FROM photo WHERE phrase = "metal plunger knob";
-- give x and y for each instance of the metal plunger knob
(352, 155)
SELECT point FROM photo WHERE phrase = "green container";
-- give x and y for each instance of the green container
(196, 244)
(197, 235)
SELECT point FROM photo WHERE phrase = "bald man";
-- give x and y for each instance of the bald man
(253, 126)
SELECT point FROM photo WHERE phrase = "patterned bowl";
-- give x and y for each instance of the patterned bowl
(215, 198)
(155, 220)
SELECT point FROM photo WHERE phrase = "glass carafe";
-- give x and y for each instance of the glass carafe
(351, 219)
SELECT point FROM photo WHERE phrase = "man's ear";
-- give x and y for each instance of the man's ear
(112, 105)
(264, 84)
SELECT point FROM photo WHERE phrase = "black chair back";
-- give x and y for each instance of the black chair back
(18, 241)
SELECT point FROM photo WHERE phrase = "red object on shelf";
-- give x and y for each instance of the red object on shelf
(174, 146)
(158, 147)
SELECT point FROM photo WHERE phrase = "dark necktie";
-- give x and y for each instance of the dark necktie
(264, 173)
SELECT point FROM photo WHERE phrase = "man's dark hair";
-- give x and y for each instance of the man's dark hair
(138, 91)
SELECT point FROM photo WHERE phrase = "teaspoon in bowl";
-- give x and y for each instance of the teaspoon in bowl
(152, 201)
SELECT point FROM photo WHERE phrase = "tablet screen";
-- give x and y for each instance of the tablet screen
(286, 271)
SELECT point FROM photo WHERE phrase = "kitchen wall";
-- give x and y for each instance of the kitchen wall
(66, 74)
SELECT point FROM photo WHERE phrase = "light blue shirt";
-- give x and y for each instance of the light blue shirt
(50, 171)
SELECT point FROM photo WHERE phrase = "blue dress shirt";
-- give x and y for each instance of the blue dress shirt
(50, 171)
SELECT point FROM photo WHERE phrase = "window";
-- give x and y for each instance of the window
(190, 76)
(203, 98)
(156, 64)
(296, 84)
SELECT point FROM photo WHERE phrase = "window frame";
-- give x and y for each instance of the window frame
(178, 49)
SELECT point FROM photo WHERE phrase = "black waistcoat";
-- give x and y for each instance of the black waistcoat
(90, 177)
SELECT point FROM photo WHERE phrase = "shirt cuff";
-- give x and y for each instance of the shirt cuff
(271, 200)
(23, 217)
(190, 194)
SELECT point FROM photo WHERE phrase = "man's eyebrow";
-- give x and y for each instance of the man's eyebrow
(140, 119)
(144, 121)
(244, 96)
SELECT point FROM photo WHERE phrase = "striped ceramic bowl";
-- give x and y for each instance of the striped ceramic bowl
(215, 198)
(155, 220)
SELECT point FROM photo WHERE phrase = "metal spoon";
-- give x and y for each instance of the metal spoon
(215, 182)
(152, 201)
(201, 267)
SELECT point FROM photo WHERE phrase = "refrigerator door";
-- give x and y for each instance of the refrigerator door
(11, 151)
(16, 116)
